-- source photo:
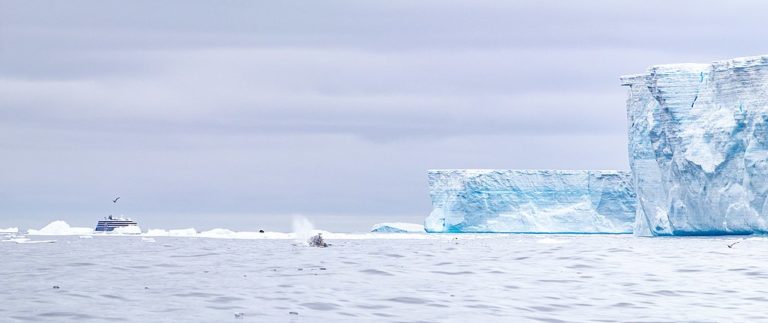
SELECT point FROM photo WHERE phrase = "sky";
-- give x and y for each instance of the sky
(243, 114)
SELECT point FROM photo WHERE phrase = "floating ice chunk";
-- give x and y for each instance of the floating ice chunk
(60, 228)
(132, 229)
(147, 239)
(9, 230)
(219, 233)
(398, 227)
(25, 240)
(191, 232)
(698, 147)
(156, 233)
(531, 201)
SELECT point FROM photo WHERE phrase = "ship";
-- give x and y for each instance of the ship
(110, 223)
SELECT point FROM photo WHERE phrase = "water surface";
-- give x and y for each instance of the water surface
(443, 278)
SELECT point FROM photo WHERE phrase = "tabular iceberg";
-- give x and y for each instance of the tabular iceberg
(531, 201)
(698, 147)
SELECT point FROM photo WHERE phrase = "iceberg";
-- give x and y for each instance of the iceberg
(9, 230)
(698, 147)
(397, 227)
(60, 228)
(131, 229)
(531, 201)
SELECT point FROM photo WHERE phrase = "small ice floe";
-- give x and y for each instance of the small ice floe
(131, 229)
(189, 233)
(9, 230)
(60, 228)
(86, 237)
(148, 239)
(398, 227)
(25, 240)
(317, 241)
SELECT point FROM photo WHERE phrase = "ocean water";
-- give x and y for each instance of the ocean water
(426, 278)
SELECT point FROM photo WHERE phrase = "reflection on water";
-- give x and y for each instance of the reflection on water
(446, 278)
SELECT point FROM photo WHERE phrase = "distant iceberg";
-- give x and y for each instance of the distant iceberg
(698, 147)
(531, 201)
(9, 230)
(60, 228)
(398, 227)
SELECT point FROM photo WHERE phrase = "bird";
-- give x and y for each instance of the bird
(115, 200)
(733, 244)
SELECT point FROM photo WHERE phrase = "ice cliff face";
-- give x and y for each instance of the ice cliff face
(698, 147)
(535, 201)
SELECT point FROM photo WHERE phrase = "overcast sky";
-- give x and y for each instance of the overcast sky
(239, 114)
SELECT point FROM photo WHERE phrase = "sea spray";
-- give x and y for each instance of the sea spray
(303, 229)
(304, 232)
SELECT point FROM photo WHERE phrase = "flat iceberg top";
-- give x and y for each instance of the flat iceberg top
(733, 63)
(530, 201)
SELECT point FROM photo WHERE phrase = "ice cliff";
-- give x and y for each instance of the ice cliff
(533, 201)
(698, 147)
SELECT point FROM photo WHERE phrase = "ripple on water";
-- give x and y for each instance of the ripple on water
(320, 306)
(196, 255)
(409, 300)
(226, 299)
(81, 264)
(197, 294)
(117, 297)
(452, 273)
(376, 272)
(372, 306)
(68, 315)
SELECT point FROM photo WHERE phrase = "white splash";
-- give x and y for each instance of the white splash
(303, 229)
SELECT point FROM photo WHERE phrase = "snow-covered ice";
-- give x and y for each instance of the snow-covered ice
(303, 229)
(698, 147)
(531, 201)
(397, 227)
(9, 230)
(131, 229)
(60, 228)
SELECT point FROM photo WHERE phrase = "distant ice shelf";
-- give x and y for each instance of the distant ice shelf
(531, 201)
(698, 147)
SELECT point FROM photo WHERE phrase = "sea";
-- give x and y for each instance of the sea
(384, 278)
